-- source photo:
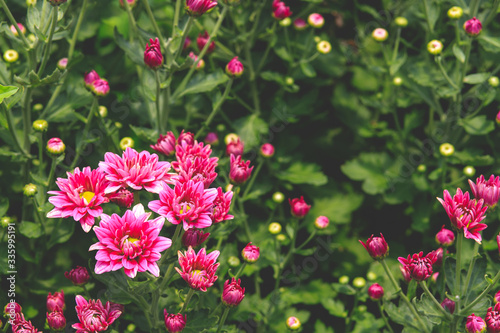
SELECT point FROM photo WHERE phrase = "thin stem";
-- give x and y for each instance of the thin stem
(157, 101)
(458, 267)
(396, 46)
(252, 179)
(51, 176)
(493, 12)
(244, 218)
(164, 256)
(434, 300)
(457, 33)
(311, 236)
(152, 19)
(40, 218)
(13, 133)
(268, 48)
(186, 301)
(384, 317)
(82, 144)
(223, 319)
(348, 320)
(240, 270)
(471, 267)
(46, 54)
(252, 77)
(426, 9)
(185, 32)
(176, 16)
(443, 71)
(40, 153)
(478, 298)
(466, 62)
(14, 23)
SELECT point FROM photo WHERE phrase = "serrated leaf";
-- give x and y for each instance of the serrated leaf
(7, 91)
(132, 49)
(303, 173)
(476, 78)
(146, 134)
(52, 78)
(205, 83)
(30, 229)
(459, 54)
(334, 307)
(371, 169)
(479, 125)
(251, 129)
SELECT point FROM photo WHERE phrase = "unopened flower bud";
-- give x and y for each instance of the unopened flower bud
(201, 64)
(5, 220)
(11, 309)
(299, 24)
(21, 28)
(455, 12)
(89, 78)
(497, 118)
(267, 150)
(100, 87)
(211, 139)
(103, 111)
(289, 80)
(62, 63)
(202, 40)
(286, 22)
(380, 34)
(344, 279)
(78, 276)
(30, 190)
(496, 298)
(234, 68)
(469, 171)
(118, 125)
(371, 276)
(317, 39)
(359, 282)
(473, 27)
(280, 10)
(445, 237)
(278, 197)
(377, 247)
(233, 261)
(56, 2)
(475, 324)
(131, 4)
(316, 20)
(321, 222)
(40, 125)
(38, 107)
(194, 237)
(250, 253)
(274, 228)
(397, 81)
(422, 168)
(494, 81)
(299, 208)
(231, 137)
(56, 301)
(127, 142)
(235, 148)
(55, 146)
(152, 55)
(280, 238)
(293, 323)
(435, 47)
(30, 3)
(401, 21)
(324, 47)
(10, 56)
(375, 292)
(233, 293)
(446, 149)
(449, 305)
(56, 321)
(174, 322)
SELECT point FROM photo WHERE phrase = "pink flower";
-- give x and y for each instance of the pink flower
(439, 257)
(475, 324)
(131, 3)
(80, 196)
(235, 147)
(131, 242)
(185, 151)
(197, 8)
(211, 139)
(55, 146)
(222, 204)
(100, 87)
(498, 243)
(250, 253)
(299, 208)
(465, 213)
(11, 309)
(186, 137)
(293, 323)
(497, 118)
(375, 291)
(165, 144)
(493, 319)
(78, 276)
(316, 20)
(321, 222)
(122, 197)
(200, 64)
(377, 247)
(496, 298)
(56, 321)
(174, 322)
(197, 169)
(267, 150)
(198, 269)
(449, 305)
(152, 55)
(233, 293)
(62, 63)
(488, 190)
(194, 237)
(187, 43)
(240, 171)
(445, 237)
(202, 40)
(56, 301)
(418, 266)
(189, 203)
(94, 317)
(299, 24)
(134, 170)
(473, 27)
(280, 10)
(90, 77)
(21, 325)
(21, 28)
(234, 68)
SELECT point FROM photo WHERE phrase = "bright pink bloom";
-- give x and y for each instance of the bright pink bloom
(465, 213)
(131, 242)
(321, 222)
(185, 151)
(267, 150)
(299, 24)
(174, 322)
(439, 257)
(445, 237)
(90, 77)
(11, 309)
(497, 119)
(56, 301)
(449, 305)
(189, 203)
(493, 319)
(94, 317)
(80, 196)
(222, 204)
(234, 68)
(202, 40)
(377, 247)
(165, 144)
(280, 10)
(299, 208)
(496, 298)
(122, 197)
(55, 146)
(197, 169)
(475, 324)
(56, 320)
(375, 291)
(78, 276)
(473, 27)
(233, 293)
(316, 20)
(250, 253)
(21, 325)
(100, 87)
(186, 137)
(240, 171)
(235, 148)
(488, 190)
(197, 8)
(194, 237)
(211, 139)
(198, 269)
(418, 266)
(152, 55)
(134, 170)
(405, 273)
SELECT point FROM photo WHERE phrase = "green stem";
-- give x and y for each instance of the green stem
(82, 144)
(311, 236)
(157, 101)
(471, 267)
(240, 270)
(244, 218)
(14, 23)
(465, 311)
(12, 131)
(434, 300)
(223, 319)
(40, 153)
(384, 317)
(86, 292)
(457, 33)
(186, 301)
(46, 54)
(170, 268)
(443, 71)
(252, 179)
(152, 19)
(51, 176)
(252, 77)
(396, 46)
(40, 218)
(176, 17)
(426, 9)
(185, 32)
(266, 52)
(133, 23)
(458, 267)
(466, 62)
(348, 320)
(493, 13)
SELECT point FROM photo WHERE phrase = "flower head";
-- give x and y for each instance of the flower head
(197, 8)
(250, 253)
(493, 319)
(21, 28)
(299, 208)
(475, 324)
(186, 137)
(455, 12)
(299, 24)
(122, 197)
(198, 269)
(233, 293)
(94, 316)
(280, 10)
(185, 151)
(235, 147)
(293, 323)
(267, 150)
(100, 87)
(202, 40)
(194, 237)
(234, 68)
(197, 169)
(488, 190)
(90, 77)
(21, 325)
(56, 301)
(418, 266)
(222, 204)
(375, 291)
(211, 139)
(473, 27)
(380, 34)
(200, 65)
(316, 20)
(11, 309)
(435, 47)
(55, 146)
(78, 276)
(130, 241)
(56, 321)
(449, 305)
(62, 63)
(321, 222)
(174, 322)
(165, 144)
(80, 196)
(445, 237)
(324, 47)
(376, 246)
(152, 55)
(240, 171)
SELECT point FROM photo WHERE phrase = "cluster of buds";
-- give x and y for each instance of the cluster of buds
(55, 307)
(96, 84)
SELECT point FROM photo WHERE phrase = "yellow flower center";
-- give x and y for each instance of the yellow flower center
(133, 240)
(187, 209)
(87, 196)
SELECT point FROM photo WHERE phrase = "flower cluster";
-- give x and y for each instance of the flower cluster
(94, 316)
(55, 307)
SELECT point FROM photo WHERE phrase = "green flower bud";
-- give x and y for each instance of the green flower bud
(359, 282)
(30, 190)
(275, 228)
(233, 261)
(401, 21)
(344, 279)
(278, 197)
(40, 125)
(126, 142)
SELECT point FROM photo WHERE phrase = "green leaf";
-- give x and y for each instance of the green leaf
(459, 54)
(339, 207)
(283, 54)
(205, 83)
(449, 271)
(490, 44)
(397, 64)
(429, 309)
(251, 129)
(7, 91)
(371, 169)
(479, 125)
(146, 134)
(52, 78)
(319, 327)
(345, 289)
(30, 229)
(477, 282)
(199, 320)
(303, 173)
(476, 78)
(4, 206)
(62, 233)
(307, 69)
(364, 80)
(472, 157)
(334, 307)
(132, 49)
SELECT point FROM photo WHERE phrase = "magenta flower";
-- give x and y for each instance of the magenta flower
(493, 319)
(488, 190)
(185, 151)
(89, 78)
(189, 203)
(267, 150)
(473, 27)
(131, 242)
(200, 64)
(152, 55)
(197, 8)
(418, 266)
(11, 309)
(298, 207)
(94, 317)
(56, 301)
(186, 137)
(165, 144)
(222, 204)
(174, 322)
(235, 147)
(211, 139)
(134, 170)
(250, 253)
(56, 321)
(100, 87)
(316, 20)
(299, 24)
(21, 325)
(122, 197)
(194, 237)
(55, 146)
(321, 222)
(280, 10)
(445, 237)
(377, 247)
(475, 324)
(198, 269)
(78, 276)
(80, 196)
(234, 68)
(202, 40)
(197, 169)
(233, 293)
(465, 213)
(449, 305)
(240, 171)
(375, 291)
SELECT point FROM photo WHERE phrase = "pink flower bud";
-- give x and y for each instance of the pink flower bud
(212, 139)
(250, 253)
(78, 276)
(321, 222)
(131, 3)
(235, 147)
(449, 305)
(233, 293)
(293, 323)
(20, 26)
(473, 27)
(377, 247)
(445, 237)
(100, 87)
(498, 243)
(475, 324)
(122, 197)
(267, 150)
(55, 146)
(194, 237)
(280, 10)
(55, 301)
(62, 63)
(496, 298)
(187, 43)
(234, 68)
(316, 20)
(152, 55)
(497, 119)
(299, 208)
(56, 320)
(165, 144)
(90, 77)
(174, 322)
(299, 24)
(11, 309)
(187, 137)
(492, 319)
(239, 171)
(200, 64)
(202, 40)
(439, 257)
(375, 291)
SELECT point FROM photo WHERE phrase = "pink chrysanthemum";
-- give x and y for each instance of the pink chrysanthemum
(233, 293)
(165, 144)
(80, 196)
(189, 203)
(222, 204)
(185, 151)
(198, 269)
(21, 325)
(465, 213)
(197, 8)
(492, 319)
(418, 266)
(240, 170)
(186, 137)
(134, 170)
(197, 169)
(131, 242)
(94, 317)
(488, 190)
